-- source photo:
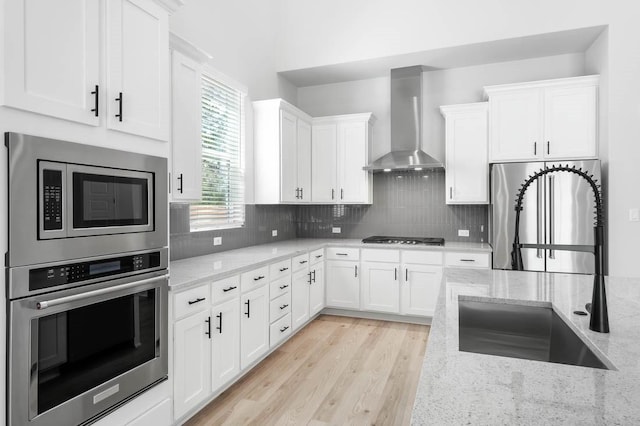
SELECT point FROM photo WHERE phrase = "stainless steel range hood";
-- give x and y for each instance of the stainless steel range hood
(406, 125)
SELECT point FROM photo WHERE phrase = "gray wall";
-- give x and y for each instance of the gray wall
(404, 204)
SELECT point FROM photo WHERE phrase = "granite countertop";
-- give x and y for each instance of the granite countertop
(191, 271)
(467, 388)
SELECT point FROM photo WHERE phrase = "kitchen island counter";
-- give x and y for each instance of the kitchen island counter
(468, 388)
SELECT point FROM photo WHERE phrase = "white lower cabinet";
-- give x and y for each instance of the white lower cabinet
(225, 336)
(343, 284)
(192, 361)
(420, 288)
(316, 289)
(300, 283)
(280, 329)
(380, 287)
(254, 325)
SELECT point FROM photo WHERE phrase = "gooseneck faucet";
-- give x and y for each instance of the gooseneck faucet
(599, 320)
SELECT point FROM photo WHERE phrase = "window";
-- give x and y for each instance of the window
(222, 203)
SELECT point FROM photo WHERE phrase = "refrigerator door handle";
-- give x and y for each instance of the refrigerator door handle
(539, 217)
(551, 215)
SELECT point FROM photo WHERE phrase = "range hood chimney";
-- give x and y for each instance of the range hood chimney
(406, 125)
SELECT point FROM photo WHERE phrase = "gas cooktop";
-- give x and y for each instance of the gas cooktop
(429, 241)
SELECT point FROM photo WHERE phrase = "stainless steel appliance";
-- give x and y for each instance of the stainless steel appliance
(431, 241)
(70, 200)
(556, 210)
(87, 279)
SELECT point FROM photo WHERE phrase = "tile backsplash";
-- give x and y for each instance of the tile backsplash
(408, 203)
(404, 204)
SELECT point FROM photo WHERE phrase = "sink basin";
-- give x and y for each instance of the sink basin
(519, 331)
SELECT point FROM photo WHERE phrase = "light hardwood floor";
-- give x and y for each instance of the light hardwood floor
(336, 370)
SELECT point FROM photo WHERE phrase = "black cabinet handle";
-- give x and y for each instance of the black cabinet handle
(341, 194)
(229, 289)
(395, 274)
(302, 262)
(309, 274)
(535, 148)
(314, 275)
(258, 278)
(180, 179)
(219, 327)
(298, 193)
(96, 100)
(283, 306)
(208, 332)
(356, 266)
(548, 147)
(119, 100)
(318, 256)
(283, 329)
(301, 193)
(342, 254)
(406, 274)
(333, 193)
(284, 269)
(248, 313)
(467, 260)
(282, 287)
(200, 299)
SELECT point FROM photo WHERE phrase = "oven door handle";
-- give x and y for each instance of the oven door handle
(53, 302)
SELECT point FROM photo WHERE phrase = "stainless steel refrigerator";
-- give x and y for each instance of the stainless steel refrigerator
(558, 209)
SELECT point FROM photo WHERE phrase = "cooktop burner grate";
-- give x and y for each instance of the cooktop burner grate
(430, 241)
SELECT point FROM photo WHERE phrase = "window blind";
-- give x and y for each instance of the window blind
(222, 203)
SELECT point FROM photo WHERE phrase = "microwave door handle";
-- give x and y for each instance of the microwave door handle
(59, 301)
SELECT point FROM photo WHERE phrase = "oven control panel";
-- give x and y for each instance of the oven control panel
(83, 271)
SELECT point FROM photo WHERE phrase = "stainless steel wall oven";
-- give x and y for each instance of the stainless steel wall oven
(87, 279)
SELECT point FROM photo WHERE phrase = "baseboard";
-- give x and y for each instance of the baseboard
(377, 316)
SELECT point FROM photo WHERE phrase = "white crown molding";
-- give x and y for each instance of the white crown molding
(170, 5)
(183, 46)
(587, 80)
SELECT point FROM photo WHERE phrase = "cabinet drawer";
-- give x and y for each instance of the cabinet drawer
(280, 330)
(225, 289)
(280, 287)
(190, 301)
(421, 257)
(279, 307)
(252, 279)
(280, 269)
(468, 260)
(299, 262)
(337, 253)
(316, 256)
(381, 255)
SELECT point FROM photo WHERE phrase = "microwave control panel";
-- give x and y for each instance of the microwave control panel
(83, 271)
(52, 199)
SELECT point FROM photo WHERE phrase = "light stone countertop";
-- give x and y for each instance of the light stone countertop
(192, 271)
(466, 388)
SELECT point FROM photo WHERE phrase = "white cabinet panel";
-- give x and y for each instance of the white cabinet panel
(420, 289)
(324, 167)
(160, 415)
(52, 58)
(317, 289)
(288, 158)
(380, 287)
(343, 285)
(468, 260)
(300, 283)
(225, 336)
(353, 182)
(280, 329)
(138, 68)
(254, 326)
(303, 160)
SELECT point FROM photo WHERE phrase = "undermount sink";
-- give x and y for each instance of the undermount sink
(520, 331)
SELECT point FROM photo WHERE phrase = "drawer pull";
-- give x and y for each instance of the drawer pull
(258, 278)
(302, 262)
(284, 269)
(219, 327)
(198, 300)
(318, 256)
(208, 332)
(467, 260)
(229, 289)
(282, 287)
(342, 254)
(248, 313)
(283, 329)
(283, 306)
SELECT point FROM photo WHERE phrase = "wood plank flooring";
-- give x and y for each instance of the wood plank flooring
(336, 370)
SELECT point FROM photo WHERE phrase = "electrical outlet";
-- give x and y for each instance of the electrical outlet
(634, 215)
(274, 232)
(463, 232)
(336, 230)
(217, 241)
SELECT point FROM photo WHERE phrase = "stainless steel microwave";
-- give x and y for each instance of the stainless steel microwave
(68, 200)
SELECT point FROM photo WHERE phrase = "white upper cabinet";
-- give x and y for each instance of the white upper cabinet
(138, 68)
(52, 58)
(551, 119)
(282, 153)
(324, 168)
(186, 139)
(467, 166)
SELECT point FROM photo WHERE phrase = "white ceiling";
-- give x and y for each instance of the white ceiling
(550, 44)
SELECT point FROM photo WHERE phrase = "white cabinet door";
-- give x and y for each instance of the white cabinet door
(225, 336)
(420, 289)
(570, 122)
(515, 123)
(289, 191)
(343, 285)
(380, 287)
(304, 160)
(323, 167)
(138, 68)
(352, 157)
(254, 325)
(467, 166)
(192, 361)
(300, 283)
(316, 291)
(186, 139)
(52, 58)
